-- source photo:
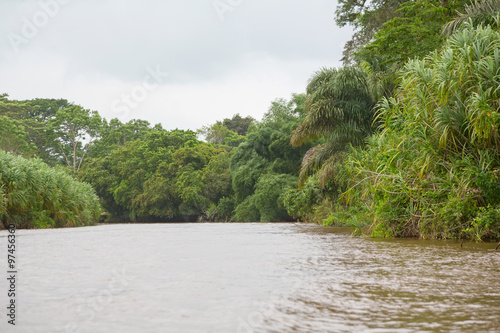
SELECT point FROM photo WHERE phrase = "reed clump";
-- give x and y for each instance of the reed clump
(35, 195)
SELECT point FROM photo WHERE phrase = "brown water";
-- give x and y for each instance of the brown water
(247, 278)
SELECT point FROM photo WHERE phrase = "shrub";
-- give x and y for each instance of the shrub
(34, 195)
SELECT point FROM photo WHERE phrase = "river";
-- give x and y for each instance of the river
(246, 278)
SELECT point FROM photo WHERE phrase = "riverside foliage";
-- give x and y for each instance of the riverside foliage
(433, 169)
(34, 195)
(404, 139)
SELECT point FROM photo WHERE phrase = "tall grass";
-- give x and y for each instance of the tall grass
(34, 195)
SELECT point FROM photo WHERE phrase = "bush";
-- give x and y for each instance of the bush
(34, 195)
(486, 225)
(270, 194)
(246, 211)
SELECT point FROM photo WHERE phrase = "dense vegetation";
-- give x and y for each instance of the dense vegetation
(34, 195)
(404, 139)
(430, 169)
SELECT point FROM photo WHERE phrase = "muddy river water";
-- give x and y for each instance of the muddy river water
(246, 278)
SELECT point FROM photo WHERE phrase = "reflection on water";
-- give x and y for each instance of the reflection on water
(248, 278)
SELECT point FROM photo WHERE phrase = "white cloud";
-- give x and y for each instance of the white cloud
(92, 52)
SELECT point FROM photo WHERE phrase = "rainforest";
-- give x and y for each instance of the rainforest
(403, 140)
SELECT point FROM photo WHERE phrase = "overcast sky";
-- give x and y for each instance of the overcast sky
(181, 63)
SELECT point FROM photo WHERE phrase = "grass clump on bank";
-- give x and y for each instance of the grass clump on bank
(34, 195)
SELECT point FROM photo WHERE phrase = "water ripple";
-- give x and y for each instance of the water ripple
(247, 278)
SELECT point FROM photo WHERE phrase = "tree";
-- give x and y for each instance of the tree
(219, 135)
(267, 158)
(238, 124)
(367, 17)
(395, 30)
(13, 109)
(164, 176)
(270, 194)
(115, 134)
(38, 118)
(34, 116)
(339, 110)
(479, 12)
(14, 139)
(75, 129)
(283, 112)
(35, 121)
(267, 148)
(381, 75)
(43, 109)
(414, 32)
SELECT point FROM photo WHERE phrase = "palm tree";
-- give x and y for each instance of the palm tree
(339, 110)
(381, 75)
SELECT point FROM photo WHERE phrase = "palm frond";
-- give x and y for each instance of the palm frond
(478, 12)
